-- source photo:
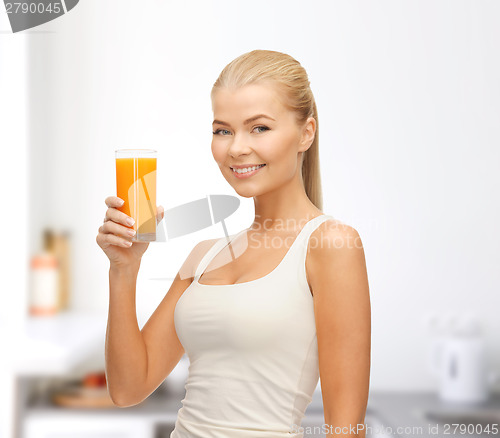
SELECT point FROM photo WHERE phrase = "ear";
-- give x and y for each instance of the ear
(308, 133)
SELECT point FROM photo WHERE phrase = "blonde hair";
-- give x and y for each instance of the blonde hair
(291, 78)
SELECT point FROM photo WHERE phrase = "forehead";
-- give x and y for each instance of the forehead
(247, 101)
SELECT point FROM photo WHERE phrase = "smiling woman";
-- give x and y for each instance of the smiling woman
(244, 170)
(260, 328)
(253, 128)
(262, 316)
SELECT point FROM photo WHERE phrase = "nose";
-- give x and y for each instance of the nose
(239, 146)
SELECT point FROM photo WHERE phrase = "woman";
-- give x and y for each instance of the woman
(262, 317)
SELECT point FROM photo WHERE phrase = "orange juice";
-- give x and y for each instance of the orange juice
(136, 185)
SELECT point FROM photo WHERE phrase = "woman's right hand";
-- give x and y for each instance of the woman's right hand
(115, 235)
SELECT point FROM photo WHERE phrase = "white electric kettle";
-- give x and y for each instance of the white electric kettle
(458, 360)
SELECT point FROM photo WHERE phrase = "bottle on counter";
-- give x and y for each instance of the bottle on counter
(44, 287)
(57, 243)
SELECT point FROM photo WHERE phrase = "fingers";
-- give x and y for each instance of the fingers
(160, 213)
(114, 201)
(111, 227)
(105, 240)
(112, 214)
(115, 229)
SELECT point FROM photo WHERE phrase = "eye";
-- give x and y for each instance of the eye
(265, 128)
(219, 130)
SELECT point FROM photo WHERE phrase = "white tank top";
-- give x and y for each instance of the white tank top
(252, 349)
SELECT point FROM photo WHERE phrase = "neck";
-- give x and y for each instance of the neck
(286, 208)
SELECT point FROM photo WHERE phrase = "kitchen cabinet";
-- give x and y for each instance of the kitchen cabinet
(55, 345)
(77, 426)
(50, 347)
(153, 418)
(389, 414)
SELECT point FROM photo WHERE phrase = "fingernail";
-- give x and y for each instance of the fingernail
(120, 202)
(130, 221)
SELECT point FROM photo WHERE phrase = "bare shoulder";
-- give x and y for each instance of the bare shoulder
(194, 258)
(333, 234)
(334, 247)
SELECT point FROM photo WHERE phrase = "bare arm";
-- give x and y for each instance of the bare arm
(137, 361)
(339, 282)
(125, 351)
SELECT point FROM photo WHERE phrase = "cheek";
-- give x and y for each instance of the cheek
(277, 150)
(218, 152)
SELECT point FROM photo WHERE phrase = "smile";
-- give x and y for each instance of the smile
(247, 171)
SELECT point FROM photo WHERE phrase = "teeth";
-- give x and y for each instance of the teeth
(247, 169)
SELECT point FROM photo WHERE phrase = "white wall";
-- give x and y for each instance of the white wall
(408, 99)
(14, 210)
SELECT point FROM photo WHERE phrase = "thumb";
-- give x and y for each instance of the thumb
(160, 213)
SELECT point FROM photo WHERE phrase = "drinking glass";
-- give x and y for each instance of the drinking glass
(136, 185)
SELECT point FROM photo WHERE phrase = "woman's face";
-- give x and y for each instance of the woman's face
(241, 139)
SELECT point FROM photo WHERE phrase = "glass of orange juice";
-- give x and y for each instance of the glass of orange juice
(136, 185)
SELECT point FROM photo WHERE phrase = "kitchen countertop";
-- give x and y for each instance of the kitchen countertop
(404, 413)
(408, 409)
(55, 345)
(395, 410)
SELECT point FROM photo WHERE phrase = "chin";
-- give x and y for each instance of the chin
(249, 190)
(245, 189)
(246, 192)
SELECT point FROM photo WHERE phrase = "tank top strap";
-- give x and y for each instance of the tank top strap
(212, 252)
(296, 251)
(305, 234)
(298, 258)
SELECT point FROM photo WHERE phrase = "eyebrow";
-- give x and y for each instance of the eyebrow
(246, 122)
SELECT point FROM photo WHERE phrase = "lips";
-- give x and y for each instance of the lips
(247, 174)
(243, 166)
(242, 169)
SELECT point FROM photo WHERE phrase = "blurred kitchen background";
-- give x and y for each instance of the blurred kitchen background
(408, 99)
